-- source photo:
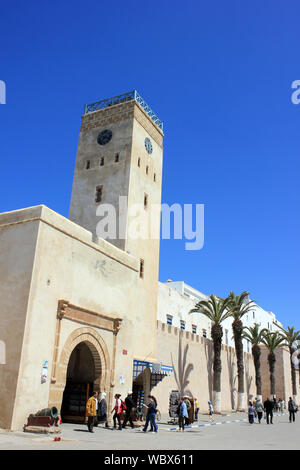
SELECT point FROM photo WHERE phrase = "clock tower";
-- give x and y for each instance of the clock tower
(119, 171)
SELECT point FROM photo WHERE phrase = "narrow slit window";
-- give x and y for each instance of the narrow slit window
(117, 158)
(102, 161)
(88, 164)
(139, 162)
(147, 170)
(154, 177)
(98, 197)
(142, 268)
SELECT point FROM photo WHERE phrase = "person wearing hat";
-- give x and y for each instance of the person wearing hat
(188, 407)
(118, 411)
(129, 407)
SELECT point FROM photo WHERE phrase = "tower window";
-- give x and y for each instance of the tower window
(139, 162)
(182, 325)
(194, 329)
(102, 161)
(204, 333)
(154, 177)
(117, 158)
(142, 269)
(98, 196)
(88, 164)
(169, 319)
(147, 170)
(145, 201)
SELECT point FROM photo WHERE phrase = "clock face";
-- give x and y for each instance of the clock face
(104, 137)
(148, 145)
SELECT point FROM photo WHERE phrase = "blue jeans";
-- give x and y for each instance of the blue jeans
(150, 418)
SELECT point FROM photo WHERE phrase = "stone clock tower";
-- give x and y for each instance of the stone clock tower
(119, 163)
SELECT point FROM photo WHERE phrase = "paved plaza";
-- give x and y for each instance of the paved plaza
(230, 432)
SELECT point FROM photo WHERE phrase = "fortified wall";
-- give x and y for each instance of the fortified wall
(191, 357)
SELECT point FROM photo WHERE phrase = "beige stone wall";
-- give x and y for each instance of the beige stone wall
(17, 254)
(69, 266)
(196, 353)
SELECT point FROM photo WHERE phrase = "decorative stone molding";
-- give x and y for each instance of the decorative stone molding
(87, 317)
(98, 348)
(83, 316)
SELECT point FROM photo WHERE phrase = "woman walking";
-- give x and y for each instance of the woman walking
(118, 411)
(151, 411)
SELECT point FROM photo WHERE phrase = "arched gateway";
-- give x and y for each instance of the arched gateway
(83, 366)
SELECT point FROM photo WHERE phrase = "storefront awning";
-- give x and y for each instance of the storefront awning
(155, 367)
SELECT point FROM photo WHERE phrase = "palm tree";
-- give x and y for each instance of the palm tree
(291, 338)
(255, 336)
(216, 310)
(239, 305)
(272, 341)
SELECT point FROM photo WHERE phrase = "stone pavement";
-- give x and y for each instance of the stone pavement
(229, 432)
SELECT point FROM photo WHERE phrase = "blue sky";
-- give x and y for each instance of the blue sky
(218, 74)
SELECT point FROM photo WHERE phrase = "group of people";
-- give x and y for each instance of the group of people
(184, 410)
(96, 411)
(257, 409)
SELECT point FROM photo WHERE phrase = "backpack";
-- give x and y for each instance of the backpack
(123, 405)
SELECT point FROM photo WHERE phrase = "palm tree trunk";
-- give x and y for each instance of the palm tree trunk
(293, 377)
(256, 358)
(237, 327)
(272, 360)
(216, 334)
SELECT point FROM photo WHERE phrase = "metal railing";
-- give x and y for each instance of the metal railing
(131, 96)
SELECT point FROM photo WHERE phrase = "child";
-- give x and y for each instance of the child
(251, 413)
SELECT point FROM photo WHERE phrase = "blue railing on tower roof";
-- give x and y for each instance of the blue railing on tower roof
(131, 96)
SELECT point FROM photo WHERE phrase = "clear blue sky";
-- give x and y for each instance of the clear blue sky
(218, 74)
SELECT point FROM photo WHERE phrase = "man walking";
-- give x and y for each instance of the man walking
(129, 406)
(182, 414)
(292, 407)
(259, 409)
(269, 406)
(196, 403)
(91, 410)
